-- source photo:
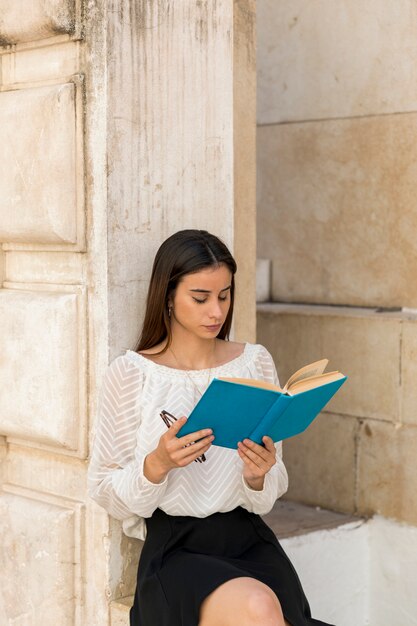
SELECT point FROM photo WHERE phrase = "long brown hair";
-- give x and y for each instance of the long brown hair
(185, 252)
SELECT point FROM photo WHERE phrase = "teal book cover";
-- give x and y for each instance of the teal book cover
(235, 411)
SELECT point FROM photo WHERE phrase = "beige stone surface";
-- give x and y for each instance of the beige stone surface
(36, 64)
(123, 562)
(22, 21)
(119, 611)
(2, 265)
(171, 144)
(3, 455)
(337, 209)
(40, 562)
(244, 164)
(42, 393)
(263, 280)
(409, 373)
(362, 344)
(154, 166)
(321, 463)
(45, 267)
(387, 471)
(40, 470)
(40, 199)
(292, 519)
(328, 59)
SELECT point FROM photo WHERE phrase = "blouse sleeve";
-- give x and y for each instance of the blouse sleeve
(115, 475)
(276, 480)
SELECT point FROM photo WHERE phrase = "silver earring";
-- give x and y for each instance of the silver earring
(169, 311)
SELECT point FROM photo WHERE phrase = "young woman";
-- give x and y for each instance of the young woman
(208, 558)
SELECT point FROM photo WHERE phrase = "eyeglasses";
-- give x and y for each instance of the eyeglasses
(168, 420)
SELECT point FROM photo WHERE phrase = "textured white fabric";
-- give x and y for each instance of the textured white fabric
(134, 391)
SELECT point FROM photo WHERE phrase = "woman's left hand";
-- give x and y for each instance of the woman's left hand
(257, 460)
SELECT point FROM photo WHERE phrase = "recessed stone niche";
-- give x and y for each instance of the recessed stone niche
(39, 559)
(41, 381)
(40, 186)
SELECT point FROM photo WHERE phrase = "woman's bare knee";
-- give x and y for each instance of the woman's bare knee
(262, 608)
(243, 602)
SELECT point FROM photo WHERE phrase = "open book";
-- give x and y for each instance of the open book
(239, 408)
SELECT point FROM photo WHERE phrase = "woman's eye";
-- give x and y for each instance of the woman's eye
(223, 299)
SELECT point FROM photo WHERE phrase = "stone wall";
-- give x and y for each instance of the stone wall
(43, 312)
(337, 216)
(118, 126)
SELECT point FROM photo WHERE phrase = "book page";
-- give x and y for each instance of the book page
(314, 381)
(308, 371)
(253, 382)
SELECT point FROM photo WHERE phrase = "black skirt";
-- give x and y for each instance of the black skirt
(184, 559)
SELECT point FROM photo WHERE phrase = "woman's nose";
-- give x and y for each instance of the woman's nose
(215, 311)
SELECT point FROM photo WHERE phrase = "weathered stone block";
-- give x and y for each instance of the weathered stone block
(244, 166)
(335, 59)
(263, 280)
(337, 205)
(38, 556)
(3, 454)
(45, 267)
(22, 21)
(39, 470)
(41, 367)
(362, 344)
(37, 64)
(2, 265)
(321, 463)
(123, 562)
(178, 143)
(119, 611)
(409, 373)
(41, 189)
(387, 477)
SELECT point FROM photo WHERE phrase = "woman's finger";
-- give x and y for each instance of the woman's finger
(269, 445)
(192, 447)
(175, 427)
(192, 452)
(193, 437)
(260, 451)
(254, 468)
(257, 460)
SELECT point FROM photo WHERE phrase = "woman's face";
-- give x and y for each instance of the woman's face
(202, 301)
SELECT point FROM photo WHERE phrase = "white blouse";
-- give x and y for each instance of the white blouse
(134, 391)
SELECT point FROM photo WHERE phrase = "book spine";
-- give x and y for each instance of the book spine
(269, 419)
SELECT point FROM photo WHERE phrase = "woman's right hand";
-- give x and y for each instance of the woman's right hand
(173, 451)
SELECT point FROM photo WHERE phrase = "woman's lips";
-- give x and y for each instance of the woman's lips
(213, 328)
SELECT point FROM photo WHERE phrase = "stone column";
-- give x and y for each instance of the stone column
(181, 141)
(120, 123)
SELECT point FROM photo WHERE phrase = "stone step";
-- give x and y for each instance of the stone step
(119, 611)
(289, 519)
(329, 552)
